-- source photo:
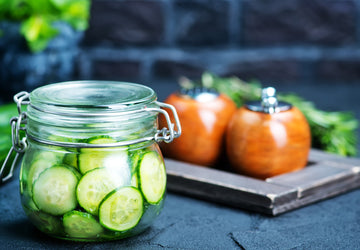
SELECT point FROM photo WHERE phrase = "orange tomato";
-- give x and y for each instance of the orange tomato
(203, 128)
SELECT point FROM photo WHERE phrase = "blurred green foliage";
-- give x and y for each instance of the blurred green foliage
(6, 112)
(37, 18)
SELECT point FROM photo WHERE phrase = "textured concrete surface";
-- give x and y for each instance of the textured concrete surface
(186, 223)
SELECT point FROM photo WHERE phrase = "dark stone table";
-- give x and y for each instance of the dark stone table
(187, 223)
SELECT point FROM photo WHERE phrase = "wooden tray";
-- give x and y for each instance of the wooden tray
(325, 176)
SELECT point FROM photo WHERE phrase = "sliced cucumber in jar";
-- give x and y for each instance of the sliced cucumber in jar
(122, 209)
(41, 161)
(81, 225)
(152, 175)
(135, 159)
(102, 159)
(71, 159)
(96, 184)
(91, 158)
(36, 168)
(50, 156)
(54, 190)
(45, 222)
(134, 180)
(135, 156)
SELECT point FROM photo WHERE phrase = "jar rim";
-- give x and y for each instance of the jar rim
(91, 96)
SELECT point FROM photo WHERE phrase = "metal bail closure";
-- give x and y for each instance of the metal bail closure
(19, 144)
(167, 134)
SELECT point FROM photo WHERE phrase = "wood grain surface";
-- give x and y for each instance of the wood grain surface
(325, 176)
(203, 129)
(264, 145)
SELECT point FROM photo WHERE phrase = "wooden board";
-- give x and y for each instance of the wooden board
(325, 176)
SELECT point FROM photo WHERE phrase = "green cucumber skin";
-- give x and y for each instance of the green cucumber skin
(79, 224)
(71, 159)
(104, 214)
(146, 185)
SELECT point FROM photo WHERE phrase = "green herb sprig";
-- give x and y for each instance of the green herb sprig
(37, 18)
(334, 132)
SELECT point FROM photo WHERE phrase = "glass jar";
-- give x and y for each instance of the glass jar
(92, 169)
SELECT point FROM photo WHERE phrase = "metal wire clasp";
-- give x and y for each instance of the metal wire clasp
(18, 139)
(168, 134)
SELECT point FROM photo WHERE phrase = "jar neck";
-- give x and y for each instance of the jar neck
(74, 129)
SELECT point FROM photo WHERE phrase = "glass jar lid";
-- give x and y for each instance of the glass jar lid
(91, 97)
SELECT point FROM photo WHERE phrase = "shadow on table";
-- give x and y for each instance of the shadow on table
(21, 233)
(23, 230)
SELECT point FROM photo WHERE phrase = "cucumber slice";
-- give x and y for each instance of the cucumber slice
(122, 209)
(41, 160)
(152, 177)
(51, 156)
(134, 180)
(100, 159)
(81, 225)
(102, 139)
(135, 159)
(54, 190)
(36, 168)
(71, 159)
(91, 158)
(46, 223)
(96, 184)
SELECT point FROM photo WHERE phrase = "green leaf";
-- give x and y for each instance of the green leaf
(77, 14)
(61, 4)
(38, 31)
